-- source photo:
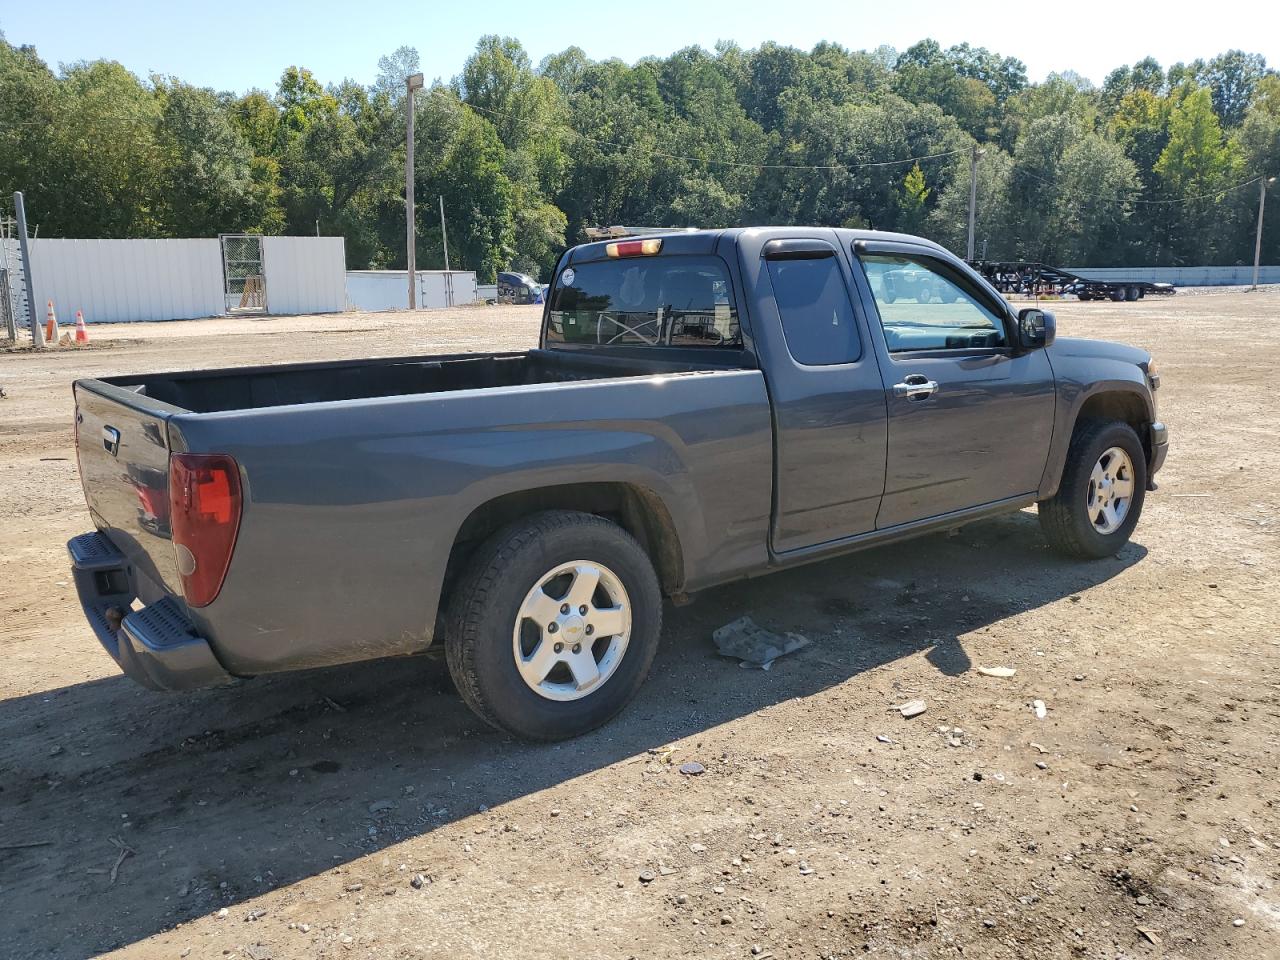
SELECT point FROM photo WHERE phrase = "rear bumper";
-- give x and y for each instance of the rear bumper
(157, 646)
(1159, 450)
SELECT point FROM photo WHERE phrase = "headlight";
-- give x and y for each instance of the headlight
(1153, 374)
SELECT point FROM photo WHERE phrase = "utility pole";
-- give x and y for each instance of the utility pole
(973, 198)
(412, 84)
(448, 275)
(1257, 240)
(20, 212)
(444, 235)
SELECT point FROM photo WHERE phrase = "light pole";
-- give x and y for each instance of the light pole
(412, 84)
(1257, 240)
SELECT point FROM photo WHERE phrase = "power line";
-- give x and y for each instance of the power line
(1094, 196)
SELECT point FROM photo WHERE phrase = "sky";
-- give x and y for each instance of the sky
(242, 46)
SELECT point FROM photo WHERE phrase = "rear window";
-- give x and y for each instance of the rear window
(672, 301)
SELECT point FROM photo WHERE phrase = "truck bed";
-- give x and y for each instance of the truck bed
(212, 391)
(355, 473)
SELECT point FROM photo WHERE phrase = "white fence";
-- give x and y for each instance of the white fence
(115, 281)
(389, 289)
(120, 280)
(305, 274)
(1181, 276)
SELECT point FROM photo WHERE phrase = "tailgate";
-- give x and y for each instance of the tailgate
(123, 448)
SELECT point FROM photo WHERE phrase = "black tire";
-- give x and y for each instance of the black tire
(1117, 294)
(1064, 518)
(483, 613)
(1131, 293)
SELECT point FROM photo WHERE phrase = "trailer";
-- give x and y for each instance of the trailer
(1041, 279)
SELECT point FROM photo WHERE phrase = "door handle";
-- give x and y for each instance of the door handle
(916, 387)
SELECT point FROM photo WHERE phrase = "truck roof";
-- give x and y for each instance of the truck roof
(704, 241)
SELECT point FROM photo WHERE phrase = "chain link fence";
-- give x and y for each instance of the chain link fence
(246, 288)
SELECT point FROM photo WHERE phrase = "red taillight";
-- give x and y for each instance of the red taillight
(204, 517)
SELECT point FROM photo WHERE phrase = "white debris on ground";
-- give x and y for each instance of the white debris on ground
(755, 646)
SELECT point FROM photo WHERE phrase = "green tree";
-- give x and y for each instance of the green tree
(206, 185)
(31, 127)
(912, 202)
(1198, 165)
(108, 161)
(1232, 77)
(526, 158)
(1197, 158)
(393, 70)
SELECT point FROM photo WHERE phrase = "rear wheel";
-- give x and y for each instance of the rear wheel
(1131, 293)
(554, 625)
(1103, 487)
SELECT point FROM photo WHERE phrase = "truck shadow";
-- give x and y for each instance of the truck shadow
(224, 795)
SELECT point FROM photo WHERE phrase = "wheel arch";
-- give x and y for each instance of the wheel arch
(636, 508)
(1110, 400)
(1125, 404)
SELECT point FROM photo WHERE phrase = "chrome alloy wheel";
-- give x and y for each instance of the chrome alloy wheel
(1110, 490)
(572, 630)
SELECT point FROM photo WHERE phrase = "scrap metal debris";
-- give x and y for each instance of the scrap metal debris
(755, 646)
(125, 851)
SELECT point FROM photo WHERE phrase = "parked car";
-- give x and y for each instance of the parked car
(518, 288)
(915, 284)
(701, 407)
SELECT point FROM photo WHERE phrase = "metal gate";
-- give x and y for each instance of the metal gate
(243, 276)
(14, 310)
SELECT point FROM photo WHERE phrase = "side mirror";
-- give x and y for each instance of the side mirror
(1036, 327)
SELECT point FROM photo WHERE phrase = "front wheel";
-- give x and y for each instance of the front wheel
(1104, 483)
(554, 625)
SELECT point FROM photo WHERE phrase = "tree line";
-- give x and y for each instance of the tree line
(1157, 166)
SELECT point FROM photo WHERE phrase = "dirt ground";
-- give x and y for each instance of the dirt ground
(363, 812)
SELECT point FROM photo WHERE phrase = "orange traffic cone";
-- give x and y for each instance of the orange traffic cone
(82, 335)
(50, 325)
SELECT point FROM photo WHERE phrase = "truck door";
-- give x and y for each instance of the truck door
(970, 415)
(825, 387)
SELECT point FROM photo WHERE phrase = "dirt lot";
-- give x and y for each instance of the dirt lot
(363, 812)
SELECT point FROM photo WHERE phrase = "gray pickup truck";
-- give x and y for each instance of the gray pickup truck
(702, 407)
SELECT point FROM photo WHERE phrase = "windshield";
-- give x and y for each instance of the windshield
(652, 301)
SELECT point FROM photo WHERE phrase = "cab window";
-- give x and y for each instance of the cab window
(664, 301)
(924, 306)
(813, 304)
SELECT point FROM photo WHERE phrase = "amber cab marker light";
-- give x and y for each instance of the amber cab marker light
(634, 248)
